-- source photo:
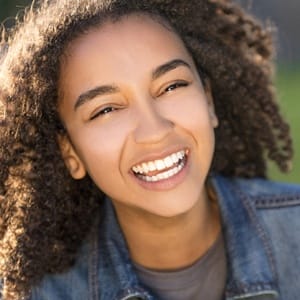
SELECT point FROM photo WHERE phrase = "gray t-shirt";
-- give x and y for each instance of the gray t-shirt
(205, 279)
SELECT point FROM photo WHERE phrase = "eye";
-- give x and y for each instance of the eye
(103, 111)
(175, 86)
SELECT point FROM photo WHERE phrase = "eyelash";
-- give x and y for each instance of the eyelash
(104, 111)
(169, 88)
(175, 86)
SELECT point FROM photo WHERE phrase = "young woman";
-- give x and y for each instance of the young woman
(133, 155)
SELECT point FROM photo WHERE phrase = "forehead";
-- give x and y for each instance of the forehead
(127, 50)
(134, 32)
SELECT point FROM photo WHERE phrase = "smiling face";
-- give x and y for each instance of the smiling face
(140, 122)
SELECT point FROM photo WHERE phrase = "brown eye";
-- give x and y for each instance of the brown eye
(176, 85)
(103, 111)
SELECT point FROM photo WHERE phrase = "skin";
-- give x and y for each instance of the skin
(142, 114)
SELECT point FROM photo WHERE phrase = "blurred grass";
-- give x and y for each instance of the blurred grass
(288, 85)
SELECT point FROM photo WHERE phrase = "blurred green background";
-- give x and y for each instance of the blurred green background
(284, 15)
(288, 85)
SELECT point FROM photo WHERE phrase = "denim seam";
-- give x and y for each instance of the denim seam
(261, 232)
(277, 201)
(246, 296)
(261, 287)
(93, 261)
(231, 290)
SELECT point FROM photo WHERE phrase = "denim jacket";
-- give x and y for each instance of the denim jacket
(261, 222)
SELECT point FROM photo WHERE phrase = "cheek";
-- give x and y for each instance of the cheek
(191, 116)
(100, 147)
(190, 113)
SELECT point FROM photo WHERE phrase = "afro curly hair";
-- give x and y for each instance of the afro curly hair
(44, 214)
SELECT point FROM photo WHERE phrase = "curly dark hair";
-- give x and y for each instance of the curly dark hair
(44, 213)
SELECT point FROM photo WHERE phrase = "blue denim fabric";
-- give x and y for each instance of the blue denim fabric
(261, 228)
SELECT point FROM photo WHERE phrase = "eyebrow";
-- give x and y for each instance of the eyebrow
(111, 89)
(97, 91)
(169, 66)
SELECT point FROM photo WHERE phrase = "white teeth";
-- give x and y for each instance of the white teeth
(174, 158)
(159, 165)
(164, 175)
(145, 167)
(168, 162)
(151, 166)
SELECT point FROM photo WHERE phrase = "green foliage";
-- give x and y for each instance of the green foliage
(288, 84)
(10, 8)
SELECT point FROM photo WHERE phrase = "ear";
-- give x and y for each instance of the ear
(70, 157)
(210, 101)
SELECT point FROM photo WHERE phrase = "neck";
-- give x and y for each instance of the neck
(171, 243)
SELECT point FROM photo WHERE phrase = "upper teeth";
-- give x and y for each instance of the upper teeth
(160, 164)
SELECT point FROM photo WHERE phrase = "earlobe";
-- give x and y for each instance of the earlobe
(71, 159)
(213, 116)
(211, 106)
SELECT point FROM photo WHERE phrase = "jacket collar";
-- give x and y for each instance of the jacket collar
(121, 282)
(251, 265)
(250, 259)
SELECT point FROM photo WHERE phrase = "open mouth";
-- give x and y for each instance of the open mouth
(161, 169)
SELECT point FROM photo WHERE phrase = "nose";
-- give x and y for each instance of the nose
(152, 126)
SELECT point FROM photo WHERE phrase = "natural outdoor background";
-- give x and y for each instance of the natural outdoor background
(282, 14)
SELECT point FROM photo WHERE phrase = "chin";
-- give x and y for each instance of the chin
(172, 208)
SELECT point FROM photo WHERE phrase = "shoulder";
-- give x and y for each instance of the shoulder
(271, 209)
(263, 193)
(71, 284)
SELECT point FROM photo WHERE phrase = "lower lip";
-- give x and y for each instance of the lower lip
(165, 184)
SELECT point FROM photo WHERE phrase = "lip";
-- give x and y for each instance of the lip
(169, 183)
